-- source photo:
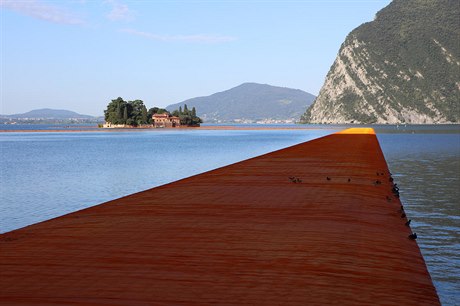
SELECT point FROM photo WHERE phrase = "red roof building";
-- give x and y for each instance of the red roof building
(165, 121)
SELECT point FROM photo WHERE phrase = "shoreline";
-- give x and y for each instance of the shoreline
(226, 127)
(229, 127)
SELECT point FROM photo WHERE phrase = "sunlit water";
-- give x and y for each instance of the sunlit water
(426, 166)
(45, 175)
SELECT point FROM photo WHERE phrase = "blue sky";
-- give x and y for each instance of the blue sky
(78, 54)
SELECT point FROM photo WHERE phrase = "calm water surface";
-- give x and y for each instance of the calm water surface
(426, 166)
(44, 175)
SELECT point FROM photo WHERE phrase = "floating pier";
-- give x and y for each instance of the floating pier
(313, 224)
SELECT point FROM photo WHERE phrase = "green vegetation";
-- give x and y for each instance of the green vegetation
(134, 113)
(410, 54)
(412, 35)
(126, 112)
(187, 117)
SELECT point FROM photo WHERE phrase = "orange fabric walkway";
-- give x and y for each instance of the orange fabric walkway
(245, 234)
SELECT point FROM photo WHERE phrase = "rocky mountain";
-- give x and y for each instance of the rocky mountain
(47, 113)
(250, 102)
(403, 67)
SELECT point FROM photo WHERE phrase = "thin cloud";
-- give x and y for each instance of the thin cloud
(119, 11)
(198, 38)
(42, 11)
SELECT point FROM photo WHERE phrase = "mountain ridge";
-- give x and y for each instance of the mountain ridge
(49, 113)
(250, 102)
(403, 67)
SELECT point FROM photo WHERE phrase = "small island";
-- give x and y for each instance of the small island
(134, 114)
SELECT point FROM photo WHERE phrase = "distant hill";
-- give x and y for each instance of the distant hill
(47, 113)
(403, 67)
(250, 102)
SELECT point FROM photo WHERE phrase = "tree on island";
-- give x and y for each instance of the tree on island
(187, 117)
(134, 113)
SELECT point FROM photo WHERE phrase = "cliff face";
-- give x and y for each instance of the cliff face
(403, 67)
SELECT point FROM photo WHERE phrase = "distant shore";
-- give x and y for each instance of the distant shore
(79, 129)
(217, 127)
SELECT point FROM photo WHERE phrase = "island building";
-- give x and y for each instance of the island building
(165, 121)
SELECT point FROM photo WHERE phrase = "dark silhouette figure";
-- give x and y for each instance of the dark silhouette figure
(349, 180)
(328, 178)
(413, 236)
(408, 222)
(295, 180)
(395, 190)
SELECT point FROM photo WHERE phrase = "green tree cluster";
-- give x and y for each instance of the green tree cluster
(126, 112)
(135, 113)
(187, 117)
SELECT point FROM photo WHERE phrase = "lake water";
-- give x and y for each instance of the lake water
(44, 175)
